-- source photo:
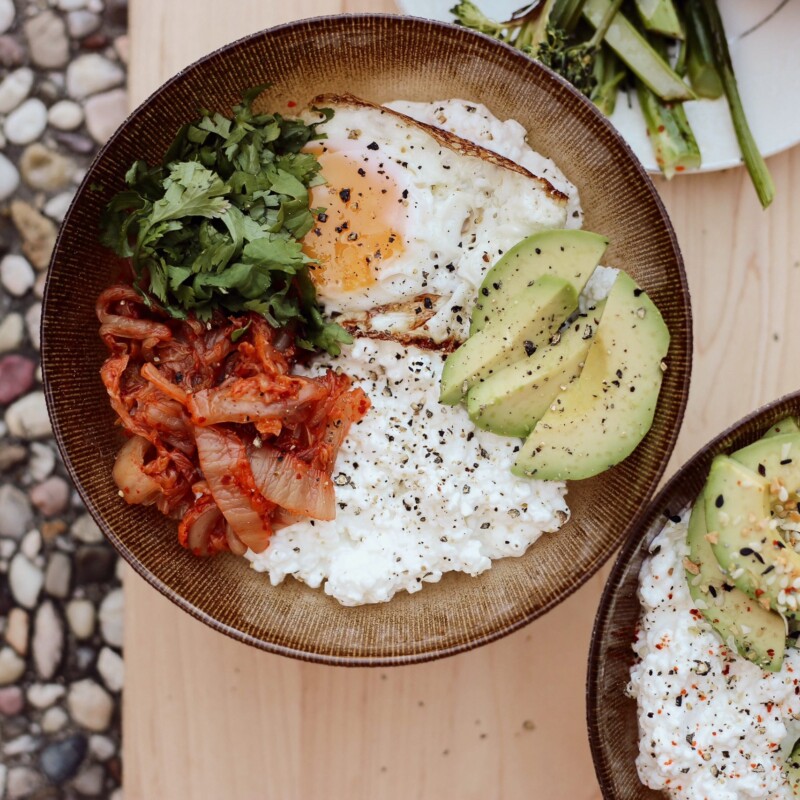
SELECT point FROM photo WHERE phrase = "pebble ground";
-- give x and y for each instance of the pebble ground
(62, 93)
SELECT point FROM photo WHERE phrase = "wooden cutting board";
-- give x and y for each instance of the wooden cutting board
(206, 717)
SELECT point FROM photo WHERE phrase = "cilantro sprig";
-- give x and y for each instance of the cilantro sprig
(218, 224)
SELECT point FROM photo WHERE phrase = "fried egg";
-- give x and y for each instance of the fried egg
(411, 217)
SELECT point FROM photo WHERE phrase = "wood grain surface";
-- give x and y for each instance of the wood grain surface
(205, 717)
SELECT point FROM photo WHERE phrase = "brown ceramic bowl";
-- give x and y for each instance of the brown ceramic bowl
(380, 58)
(613, 725)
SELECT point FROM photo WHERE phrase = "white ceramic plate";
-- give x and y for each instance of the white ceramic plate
(764, 40)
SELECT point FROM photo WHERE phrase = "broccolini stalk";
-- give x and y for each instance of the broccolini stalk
(671, 137)
(635, 51)
(700, 65)
(660, 16)
(470, 16)
(608, 72)
(567, 14)
(759, 173)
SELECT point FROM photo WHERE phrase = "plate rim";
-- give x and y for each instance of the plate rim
(436, 652)
(650, 166)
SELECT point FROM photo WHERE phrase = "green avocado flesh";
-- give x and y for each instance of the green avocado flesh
(788, 425)
(746, 544)
(774, 458)
(600, 418)
(792, 768)
(512, 401)
(759, 634)
(528, 320)
(569, 255)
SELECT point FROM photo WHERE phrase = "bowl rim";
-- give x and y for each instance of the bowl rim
(652, 522)
(524, 61)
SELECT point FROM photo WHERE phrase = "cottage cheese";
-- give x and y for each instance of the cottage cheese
(420, 491)
(713, 726)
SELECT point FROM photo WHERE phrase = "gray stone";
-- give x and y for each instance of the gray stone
(9, 178)
(76, 142)
(105, 113)
(11, 702)
(27, 122)
(58, 574)
(25, 580)
(33, 322)
(21, 745)
(112, 617)
(31, 544)
(61, 760)
(44, 695)
(11, 455)
(17, 630)
(7, 14)
(16, 515)
(45, 170)
(90, 705)
(12, 54)
(111, 669)
(51, 497)
(3, 767)
(101, 747)
(65, 115)
(85, 530)
(47, 39)
(16, 376)
(14, 88)
(81, 618)
(42, 461)
(54, 720)
(23, 782)
(71, 5)
(16, 274)
(92, 73)
(90, 782)
(27, 417)
(48, 640)
(11, 666)
(56, 207)
(82, 23)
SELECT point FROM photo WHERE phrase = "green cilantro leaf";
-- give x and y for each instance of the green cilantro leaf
(217, 225)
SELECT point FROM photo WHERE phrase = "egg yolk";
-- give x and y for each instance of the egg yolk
(359, 226)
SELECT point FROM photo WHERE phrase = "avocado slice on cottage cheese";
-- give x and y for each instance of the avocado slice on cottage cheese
(788, 425)
(758, 632)
(513, 400)
(600, 418)
(774, 458)
(792, 769)
(745, 537)
(569, 255)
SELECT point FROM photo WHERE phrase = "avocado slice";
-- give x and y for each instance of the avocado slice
(759, 634)
(519, 326)
(788, 425)
(774, 458)
(601, 418)
(513, 400)
(792, 769)
(570, 255)
(744, 539)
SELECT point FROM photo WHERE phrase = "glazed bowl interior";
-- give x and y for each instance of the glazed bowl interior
(379, 58)
(613, 726)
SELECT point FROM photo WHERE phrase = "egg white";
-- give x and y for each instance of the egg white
(454, 209)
